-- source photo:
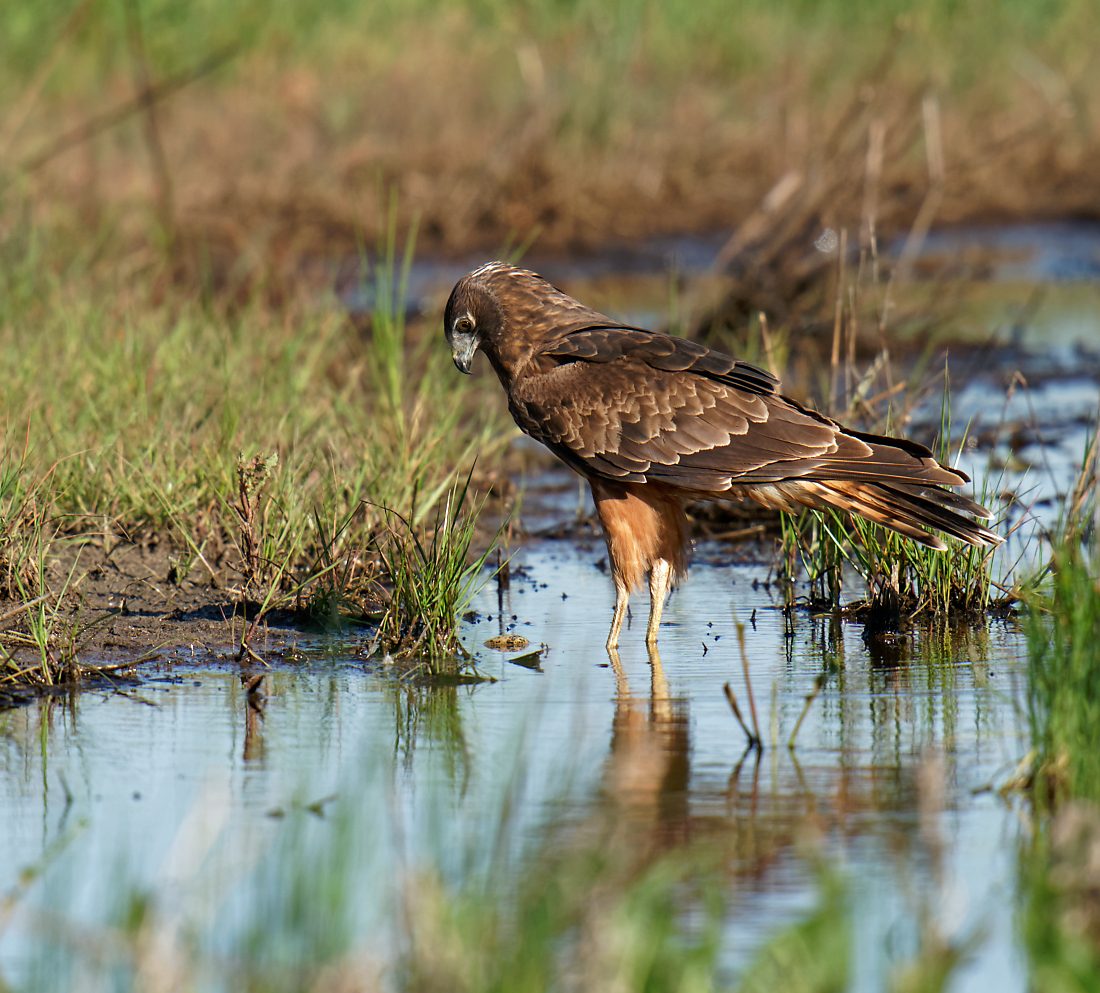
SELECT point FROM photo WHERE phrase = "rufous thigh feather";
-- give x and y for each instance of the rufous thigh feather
(642, 523)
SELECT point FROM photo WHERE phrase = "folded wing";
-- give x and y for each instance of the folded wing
(637, 406)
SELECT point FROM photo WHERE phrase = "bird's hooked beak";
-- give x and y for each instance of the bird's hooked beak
(463, 347)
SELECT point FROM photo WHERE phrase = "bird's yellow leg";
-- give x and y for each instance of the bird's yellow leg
(660, 579)
(622, 598)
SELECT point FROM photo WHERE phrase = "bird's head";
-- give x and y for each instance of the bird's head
(473, 318)
(509, 314)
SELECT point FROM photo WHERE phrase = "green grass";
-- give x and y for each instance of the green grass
(235, 433)
(430, 580)
(901, 578)
(37, 635)
(1063, 636)
(1063, 629)
(1061, 911)
(1058, 870)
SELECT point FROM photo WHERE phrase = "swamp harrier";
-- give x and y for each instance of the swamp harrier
(654, 422)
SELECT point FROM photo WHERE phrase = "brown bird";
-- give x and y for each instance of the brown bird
(654, 422)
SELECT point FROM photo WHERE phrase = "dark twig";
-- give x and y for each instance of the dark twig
(143, 86)
(748, 680)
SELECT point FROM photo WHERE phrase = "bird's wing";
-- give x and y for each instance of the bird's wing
(642, 407)
(606, 343)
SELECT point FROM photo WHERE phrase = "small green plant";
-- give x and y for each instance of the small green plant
(37, 636)
(428, 579)
(331, 595)
(48, 631)
(900, 576)
(24, 530)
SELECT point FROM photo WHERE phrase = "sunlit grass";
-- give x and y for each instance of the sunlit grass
(234, 433)
(429, 580)
(901, 578)
(1063, 631)
(1060, 882)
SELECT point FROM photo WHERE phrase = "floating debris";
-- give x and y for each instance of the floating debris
(507, 643)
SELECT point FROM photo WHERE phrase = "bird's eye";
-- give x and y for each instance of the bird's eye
(464, 324)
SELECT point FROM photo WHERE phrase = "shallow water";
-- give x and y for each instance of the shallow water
(1035, 285)
(881, 784)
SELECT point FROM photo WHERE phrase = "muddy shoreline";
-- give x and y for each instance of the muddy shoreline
(128, 616)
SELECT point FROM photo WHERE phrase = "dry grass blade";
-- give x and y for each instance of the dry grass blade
(731, 699)
(748, 680)
(819, 683)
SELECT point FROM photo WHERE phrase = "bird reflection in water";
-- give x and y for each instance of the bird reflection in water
(647, 775)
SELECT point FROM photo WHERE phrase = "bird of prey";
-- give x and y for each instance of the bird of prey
(653, 422)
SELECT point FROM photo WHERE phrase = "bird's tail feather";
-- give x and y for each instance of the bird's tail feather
(909, 508)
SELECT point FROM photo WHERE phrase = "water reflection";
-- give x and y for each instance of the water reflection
(647, 775)
(255, 700)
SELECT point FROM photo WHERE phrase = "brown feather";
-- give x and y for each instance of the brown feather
(641, 523)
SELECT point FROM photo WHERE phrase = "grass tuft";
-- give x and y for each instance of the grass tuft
(1059, 869)
(429, 579)
(259, 452)
(1063, 634)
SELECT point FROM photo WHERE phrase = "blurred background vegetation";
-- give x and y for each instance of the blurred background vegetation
(240, 141)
